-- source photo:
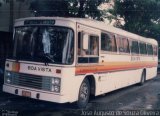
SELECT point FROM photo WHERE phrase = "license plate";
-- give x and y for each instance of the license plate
(26, 93)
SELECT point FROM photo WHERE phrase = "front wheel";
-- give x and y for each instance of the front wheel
(84, 93)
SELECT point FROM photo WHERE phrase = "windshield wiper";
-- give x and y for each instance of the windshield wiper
(47, 58)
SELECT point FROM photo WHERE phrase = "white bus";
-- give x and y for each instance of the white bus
(68, 59)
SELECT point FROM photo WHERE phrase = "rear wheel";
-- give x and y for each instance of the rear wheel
(84, 93)
(143, 78)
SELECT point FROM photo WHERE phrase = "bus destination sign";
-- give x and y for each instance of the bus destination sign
(39, 22)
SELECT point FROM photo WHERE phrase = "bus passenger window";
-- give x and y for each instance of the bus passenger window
(92, 45)
(88, 54)
(123, 44)
(108, 42)
(143, 49)
(134, 47)
(150, 49)
(155, 50)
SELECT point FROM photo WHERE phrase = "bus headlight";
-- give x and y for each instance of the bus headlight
(55, 88)
(56, 83)
(8, 77)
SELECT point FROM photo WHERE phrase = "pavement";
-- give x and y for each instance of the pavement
(133, 98)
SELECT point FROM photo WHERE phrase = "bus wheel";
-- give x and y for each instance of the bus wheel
(84, 93)
(143, 77)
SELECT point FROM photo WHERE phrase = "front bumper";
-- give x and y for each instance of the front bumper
(36, 94)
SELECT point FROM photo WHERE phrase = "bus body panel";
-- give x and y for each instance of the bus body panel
(117, 80)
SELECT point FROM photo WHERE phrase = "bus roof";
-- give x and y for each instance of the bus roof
(99, 25)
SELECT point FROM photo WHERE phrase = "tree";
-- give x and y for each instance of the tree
(140, 16)
(67, 8)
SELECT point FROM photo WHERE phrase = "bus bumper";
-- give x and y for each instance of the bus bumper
(35, 94)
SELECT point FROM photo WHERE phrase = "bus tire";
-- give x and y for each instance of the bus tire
(143, 78)
(84, 94)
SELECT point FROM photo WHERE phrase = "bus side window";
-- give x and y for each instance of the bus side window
(123, 44)
(108, 42)
(150, 49)
(143, 49)
(155, 52)
(134, 47)
(93, 45)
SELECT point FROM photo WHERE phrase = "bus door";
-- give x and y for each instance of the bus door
(88, 45)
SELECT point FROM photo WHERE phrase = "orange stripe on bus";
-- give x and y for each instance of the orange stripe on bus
(113, 66)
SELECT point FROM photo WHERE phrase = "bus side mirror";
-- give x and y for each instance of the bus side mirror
(85, 41)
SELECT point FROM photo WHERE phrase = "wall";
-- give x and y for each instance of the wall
(20, 10)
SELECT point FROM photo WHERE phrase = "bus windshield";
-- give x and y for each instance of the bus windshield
(44, 44)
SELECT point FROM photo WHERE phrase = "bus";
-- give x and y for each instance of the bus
(67, 60)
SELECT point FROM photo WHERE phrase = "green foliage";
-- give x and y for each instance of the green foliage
(67, 8)
(140, 16)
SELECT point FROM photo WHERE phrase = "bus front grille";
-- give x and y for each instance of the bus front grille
(31, 81)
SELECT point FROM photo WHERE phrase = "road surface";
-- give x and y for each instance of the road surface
(138, 98)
